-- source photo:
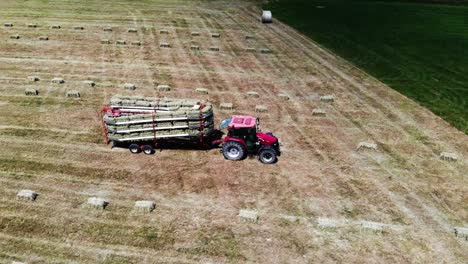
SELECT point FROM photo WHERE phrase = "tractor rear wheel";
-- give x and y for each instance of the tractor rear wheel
(267, 156)
(134, 148)
(233, 150)
(148, 150)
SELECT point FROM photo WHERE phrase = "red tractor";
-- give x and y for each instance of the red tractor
(245, 139)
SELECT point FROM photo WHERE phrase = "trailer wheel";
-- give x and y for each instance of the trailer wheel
(233, 150)
(267, 156)
(148, 150)
(134, 148)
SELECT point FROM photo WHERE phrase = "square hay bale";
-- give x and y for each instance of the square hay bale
(195, 33)
(215, 35)
(367, 146)
(331, 223)
(163, 88)
(17, 262)
(58, 80)
(290, 218)
(136, 43)
(247, 37)
(261, 108)
(253, 94)
(461, 232)
(318, 112)
(89, 83)
(226, 106)
(132, 30)
(44, 38)
(194, 47)
(202, 90)
(372, 226)
(283, 96)
(56, 27)
(31, 92)
(145, 206)
(164, 45)
(265, 51)
(327, 98)
(129, 86)
(121, 42)
(214, 48)
(73, 94)
(143, 103)
(448, 156)
(248, 215)
(33, 78)
(32, 25)
(15, 36)
(97, 203)
(105, 41)
(8, 24)
(27, 195)
(250, 50)
(163, 31)
(78, 28)
(107, 29)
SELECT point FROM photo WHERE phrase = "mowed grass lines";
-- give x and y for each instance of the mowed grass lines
(418, 49)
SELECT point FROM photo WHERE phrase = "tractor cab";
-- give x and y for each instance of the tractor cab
(244, 138)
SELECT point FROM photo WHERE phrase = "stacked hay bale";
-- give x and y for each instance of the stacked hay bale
(143, 118)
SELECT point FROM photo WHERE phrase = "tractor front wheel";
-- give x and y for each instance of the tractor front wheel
(267, 156)
(134, 148)
(233, 150)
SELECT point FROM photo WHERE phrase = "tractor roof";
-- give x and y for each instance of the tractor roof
(239, 121)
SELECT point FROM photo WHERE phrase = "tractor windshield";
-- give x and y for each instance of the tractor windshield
(225, 123)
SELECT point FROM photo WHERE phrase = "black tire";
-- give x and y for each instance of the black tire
(134, 148)
(233, 150)
(148, 150)
(267, 156)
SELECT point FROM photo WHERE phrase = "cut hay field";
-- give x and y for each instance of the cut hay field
(325, 201)
(419, 49)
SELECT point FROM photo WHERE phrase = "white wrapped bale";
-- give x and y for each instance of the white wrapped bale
(129, 86)
(44, 38)
(105, 41)
(318, 112)
(253, 94)
(267, 17)
(97, 203)
(15, 36)
(461, 232)
(89, 83)
(226, 106)
(27, 195)
(215, 35)
(202, 90)
(58, 80)
(31, 92)
(132, 30)
(214, 48)
(145, 206)
(327, 98)
(448, 156)
(121, 42)
(8, 24)
(17, 262)
(261, 108)
(367, 145)
(73, 94)
(248, 215)
(33, 78)
(164, 45)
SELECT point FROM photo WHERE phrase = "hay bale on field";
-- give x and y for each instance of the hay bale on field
(253, 94)
(265, 51)
(129, 86)
(163, 31)
(142, 103)
(136, 43)
(132, 30)
(327, 98)
(214, 48)
(248, 215)
(226, 106)
(215, 35)
(163, 88)
(27, 195)
(290, 218)
(195, 33)
(372, 226)
(33, 78)
(8, 24)
(56, 27)
(121, 42)
(461, 232)
(164, 45)
(267, 17)
(107, 29)
(193, 47)
(448, 156)
(44, 38)
(250, 50)
(15, 36)
(261, 108)
(105, 41)
(249, 37)
(367, 145)
(31, 92)
(17, 262)
(331, 223)
(97, 203)
(202, 90)
(32, 25)
(78, 28)
(58, 80)
(89, 83)
(318, 112)
(283, 96)
(145, 206)
(73, 94)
